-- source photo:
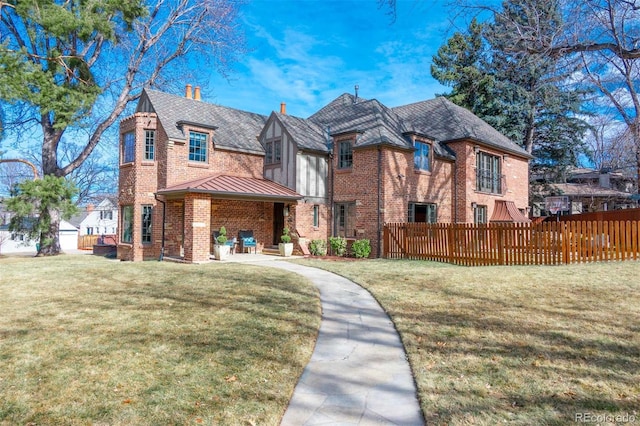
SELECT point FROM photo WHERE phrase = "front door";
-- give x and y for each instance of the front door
(278, 222)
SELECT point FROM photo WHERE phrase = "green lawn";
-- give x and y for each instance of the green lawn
(85, 340)
(527, 345)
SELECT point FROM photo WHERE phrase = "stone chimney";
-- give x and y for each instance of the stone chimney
(283, 108)
(188, 92)
(196, 94)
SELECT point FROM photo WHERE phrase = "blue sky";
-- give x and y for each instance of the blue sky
(307, 52)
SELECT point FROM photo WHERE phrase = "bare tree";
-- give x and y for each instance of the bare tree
(69, 65)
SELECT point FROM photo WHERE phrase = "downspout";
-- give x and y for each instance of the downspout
(378, 252)
(164, 211)
(331, 174)
(455, 191)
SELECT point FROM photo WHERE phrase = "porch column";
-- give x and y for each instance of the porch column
(197, 227)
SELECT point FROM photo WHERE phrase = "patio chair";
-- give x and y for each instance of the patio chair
(247, 241)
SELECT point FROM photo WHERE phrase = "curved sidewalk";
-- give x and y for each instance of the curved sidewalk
(358, 373)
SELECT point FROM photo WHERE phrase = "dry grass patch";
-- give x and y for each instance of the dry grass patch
(85, 340)
(521, 345)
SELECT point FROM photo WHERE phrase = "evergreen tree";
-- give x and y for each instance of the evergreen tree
(38, 203)
(523, 95)
(77, 65)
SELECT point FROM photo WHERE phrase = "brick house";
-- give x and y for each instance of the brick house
(188, 167)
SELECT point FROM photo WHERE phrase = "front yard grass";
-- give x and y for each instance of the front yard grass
(85, 340)
(517, 345)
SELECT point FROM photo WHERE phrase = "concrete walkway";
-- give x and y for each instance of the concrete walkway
(358, 373)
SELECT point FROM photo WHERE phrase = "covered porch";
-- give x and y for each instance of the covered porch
(194, 210)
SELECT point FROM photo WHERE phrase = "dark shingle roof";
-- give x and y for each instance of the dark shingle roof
(307, 134)
(235, 129)
(444, 121)
(376, 123)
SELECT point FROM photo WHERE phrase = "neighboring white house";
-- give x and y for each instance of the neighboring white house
(12, 242)
(99, 220)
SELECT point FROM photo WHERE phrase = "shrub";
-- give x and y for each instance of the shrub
(318, 247)
(222, 235)
(285, 238)
(361, 248)
(338, 245)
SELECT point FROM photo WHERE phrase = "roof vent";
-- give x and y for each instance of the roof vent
(355, 100)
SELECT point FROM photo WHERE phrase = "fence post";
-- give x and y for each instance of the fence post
(451, 243)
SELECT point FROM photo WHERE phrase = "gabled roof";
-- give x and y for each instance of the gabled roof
(235, 129)
(376, 123)
(77, 219)
(445, 121)
(236, 188)
(307, 134)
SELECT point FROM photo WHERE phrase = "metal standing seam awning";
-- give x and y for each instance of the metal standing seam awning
(234, 188)
(506, 211)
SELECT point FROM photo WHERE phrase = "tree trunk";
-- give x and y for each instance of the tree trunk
(636, 143)
(50, 237)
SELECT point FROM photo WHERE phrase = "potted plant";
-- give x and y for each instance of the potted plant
(286, 246)
(220, 247)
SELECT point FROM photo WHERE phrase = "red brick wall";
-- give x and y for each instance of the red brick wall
(516, 180)
(237, 215)
(197, 229)
(136, 186)
(404, 184)
(302, 214)
(179, 169)
(140, 180)
(174, 228)
(400, 184)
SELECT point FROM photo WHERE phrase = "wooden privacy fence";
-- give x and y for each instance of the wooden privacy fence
(548, 243)
(86, 242)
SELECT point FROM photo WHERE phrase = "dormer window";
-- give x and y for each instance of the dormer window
(345, 154)
(273, 150)
(198, 147)
(422, 156)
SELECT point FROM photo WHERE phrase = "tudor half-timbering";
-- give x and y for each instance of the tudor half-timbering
(189, 167)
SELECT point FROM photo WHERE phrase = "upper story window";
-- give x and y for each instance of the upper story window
(150, 145)
(273, 152)
(488, 173)
(198, 147)
(106, 214)
(422, 156)
(345, 155)
(423, 212)
(128, 147)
